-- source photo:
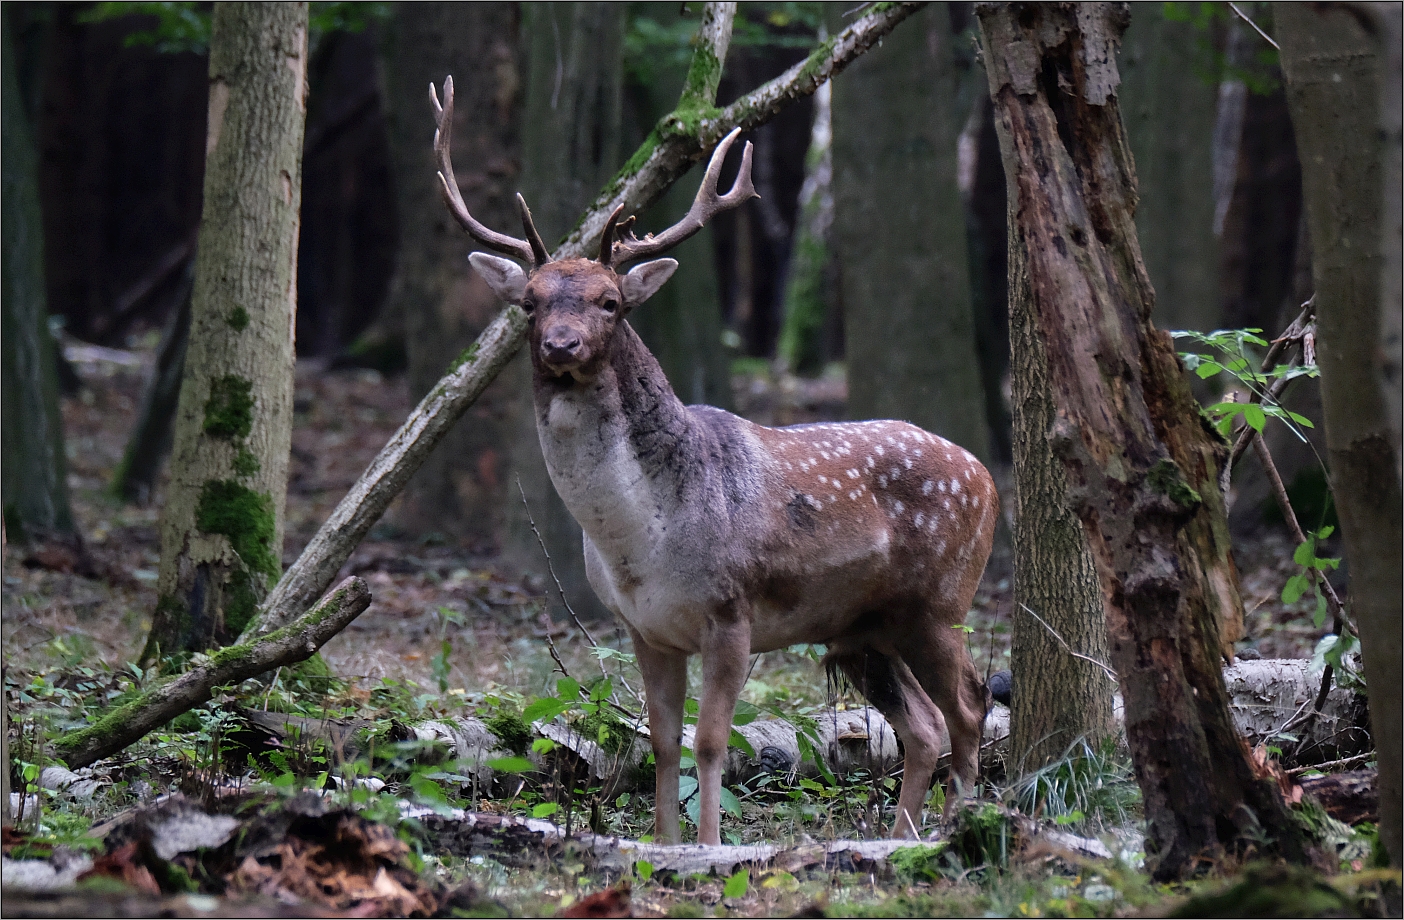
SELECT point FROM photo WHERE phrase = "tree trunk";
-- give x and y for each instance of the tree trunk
(1057, 697)
(900, 234)
(1333, 58)
(808, 292)
(570, 147)
(1142, 466)
(222, 528)
(461, 490)
(35, 484)
(1170, 108)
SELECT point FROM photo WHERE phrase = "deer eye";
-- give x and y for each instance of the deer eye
(610, 304)
(529, 304)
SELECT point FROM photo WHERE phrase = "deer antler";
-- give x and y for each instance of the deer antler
(705, 206)
(531, 250)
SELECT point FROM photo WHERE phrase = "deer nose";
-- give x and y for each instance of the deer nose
(560, 347)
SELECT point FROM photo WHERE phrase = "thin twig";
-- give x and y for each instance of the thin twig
(1111, 675)
(550, 643)
(1244, 16)
(1343, 762)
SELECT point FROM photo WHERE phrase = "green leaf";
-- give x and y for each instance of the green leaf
(1253, 415)
(691, 706)
(1318, 616)
(1300, 419)
(746, 713)
(512, 764)
(730, 803)
(687, 787)
(544, 710)
(568, 688)
(1305, 553)
(544, 810)
(1294, 589)
(602, 691)
(1324, 532)
(643, 869)
(1208, 369)
(426, 788)
(543, 745)
(737, 885)
(738, 740)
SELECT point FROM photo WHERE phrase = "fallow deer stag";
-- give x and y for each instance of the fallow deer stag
(707, 534)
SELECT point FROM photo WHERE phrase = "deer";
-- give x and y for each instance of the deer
(707, 534)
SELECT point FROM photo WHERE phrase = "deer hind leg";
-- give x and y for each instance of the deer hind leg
(937, 655)
(894, 691)
(665, 687)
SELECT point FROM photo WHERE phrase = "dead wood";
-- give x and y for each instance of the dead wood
(1349, 797)
(295, 642)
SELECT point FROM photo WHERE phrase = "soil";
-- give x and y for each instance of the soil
(428, 593)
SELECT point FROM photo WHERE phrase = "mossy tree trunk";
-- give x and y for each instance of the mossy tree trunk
(35, 487)
(1057, 696)
(570, 147)
(1141, 464)
(900, 236)
(809, 291)
(222, 528)
(462, 489)
(1333, 58)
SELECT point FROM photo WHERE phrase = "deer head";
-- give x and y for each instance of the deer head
(574, 305)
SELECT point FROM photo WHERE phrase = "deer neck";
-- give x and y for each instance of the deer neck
(618, 447)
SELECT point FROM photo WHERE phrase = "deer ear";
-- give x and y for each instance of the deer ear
(644, 280)
(506, 278)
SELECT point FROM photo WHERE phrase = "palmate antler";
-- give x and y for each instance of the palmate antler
(705, 206)
(615, 249)
(531, 250)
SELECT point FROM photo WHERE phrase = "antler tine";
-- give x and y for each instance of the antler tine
(705, 206)
(448, 185)
(607, 240)
(538, 249)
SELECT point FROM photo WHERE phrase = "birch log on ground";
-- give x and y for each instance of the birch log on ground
(679, 140)
(295, 642)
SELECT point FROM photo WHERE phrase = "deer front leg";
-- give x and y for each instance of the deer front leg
(665, 688)
(724, 657)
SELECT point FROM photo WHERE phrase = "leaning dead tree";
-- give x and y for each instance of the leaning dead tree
(1141, 464)
(679, 139)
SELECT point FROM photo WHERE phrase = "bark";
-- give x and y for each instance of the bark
(570, 139)
(150, 440)
(464, 486)
(809, 294)
(900, 238)
(1141, 464)
(1058, 697)
(222, 528)
(1334, 61)
(295, 642)
(656, 164)
(1169, 108)
(35, 486)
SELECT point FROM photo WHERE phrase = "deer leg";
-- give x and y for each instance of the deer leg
(665, 689)
(725, 651)
(950, 680)
(891, 687)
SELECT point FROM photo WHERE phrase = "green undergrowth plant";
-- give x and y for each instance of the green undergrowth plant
(1089, 786)
(1231, 359)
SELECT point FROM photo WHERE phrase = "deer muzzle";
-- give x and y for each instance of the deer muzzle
(562, 349)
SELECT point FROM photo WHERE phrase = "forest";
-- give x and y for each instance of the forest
(917, 459)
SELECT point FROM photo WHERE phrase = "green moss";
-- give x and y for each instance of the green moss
(468, 354)
(245, 518)
(817, 59)
(238, 319)
(245, 463)
(229, 410)
(1165, 477)
(703, 76)
(511, 729)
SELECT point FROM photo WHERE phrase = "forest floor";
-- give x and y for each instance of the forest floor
(447, 628)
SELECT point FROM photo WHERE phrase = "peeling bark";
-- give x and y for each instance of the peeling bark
(1141, 463)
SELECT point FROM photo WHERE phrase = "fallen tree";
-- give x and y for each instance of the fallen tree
(297, 641)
